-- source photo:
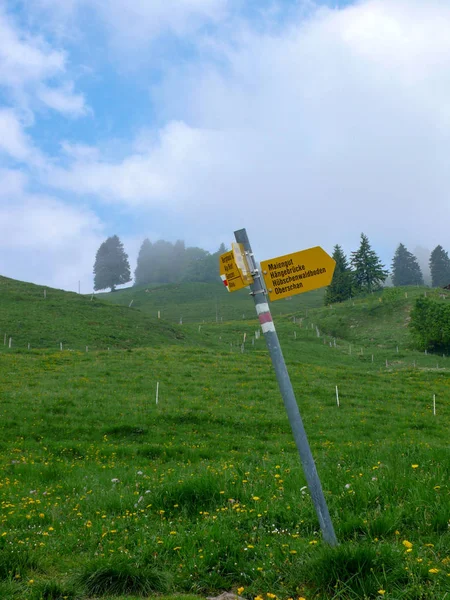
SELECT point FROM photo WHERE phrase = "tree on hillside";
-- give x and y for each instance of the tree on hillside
(405, 268)
(439, 267)
(368, 271)
(423, 258)
(340, 288)
(111, 266)
(143, 271)
(164, 262)
(179, 260)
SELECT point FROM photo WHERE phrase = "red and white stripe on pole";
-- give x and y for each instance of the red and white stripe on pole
(265, 318)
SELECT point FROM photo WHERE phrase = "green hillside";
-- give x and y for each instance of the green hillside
(45, 317)
(168, 467)
(380, 319)
(198, 302)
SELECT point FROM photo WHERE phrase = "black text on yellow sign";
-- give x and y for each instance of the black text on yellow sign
(297, 273)
(230, 273)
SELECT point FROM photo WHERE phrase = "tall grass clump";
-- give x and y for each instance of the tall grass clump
(354, 571)
(121, 576)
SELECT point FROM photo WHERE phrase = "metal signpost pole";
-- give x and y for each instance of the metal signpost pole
(287, 392)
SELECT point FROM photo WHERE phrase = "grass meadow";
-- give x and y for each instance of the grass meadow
(107, 494)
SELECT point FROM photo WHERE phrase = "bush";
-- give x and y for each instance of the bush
(430, 324)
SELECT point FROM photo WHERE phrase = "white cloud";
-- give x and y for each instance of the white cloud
(29, 67)
(129, 25)
(141, 177)
(338, 124)
(12, 182)
(24, 58)
(333, 124)
(43, 239)
(13, 141)
(63, 99)
(140, 20)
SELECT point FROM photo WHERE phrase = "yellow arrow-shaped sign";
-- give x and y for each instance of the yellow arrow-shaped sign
(233, 270)
(297, 273)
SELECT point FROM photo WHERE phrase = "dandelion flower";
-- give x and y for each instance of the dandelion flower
(240, 590)
(381, 592)
(414, 466)
(407, 544)
(434, 570)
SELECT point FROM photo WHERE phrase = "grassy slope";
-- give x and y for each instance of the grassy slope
(195, 302)
(76, 321)
(379, 320)
(216, 467)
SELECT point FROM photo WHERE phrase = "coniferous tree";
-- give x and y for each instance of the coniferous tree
(439, 267)
(143, 271)
(179, 260)
(111, 265)
(405, 268)
(340, 288)
(164, 262)
(368, 271)
(423, 258)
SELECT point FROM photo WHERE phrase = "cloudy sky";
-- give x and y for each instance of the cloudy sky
(305, 122)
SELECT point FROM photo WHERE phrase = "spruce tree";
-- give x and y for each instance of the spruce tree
(340, 288)
(439, 267)
(144, 266)
(405, 268)
(368, 271)
(111, 266)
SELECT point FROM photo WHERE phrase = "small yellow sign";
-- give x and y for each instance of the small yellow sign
(297, 273)
(230, 273)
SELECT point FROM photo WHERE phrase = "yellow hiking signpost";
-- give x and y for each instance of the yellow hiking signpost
(297, 273)
(234, 270)
(283, 276)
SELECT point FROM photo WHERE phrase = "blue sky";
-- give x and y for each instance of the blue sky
(305, 122)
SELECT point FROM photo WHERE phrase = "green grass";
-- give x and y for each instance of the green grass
(198, 302)
(29, 317)
(106, 494)
(380, 319)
